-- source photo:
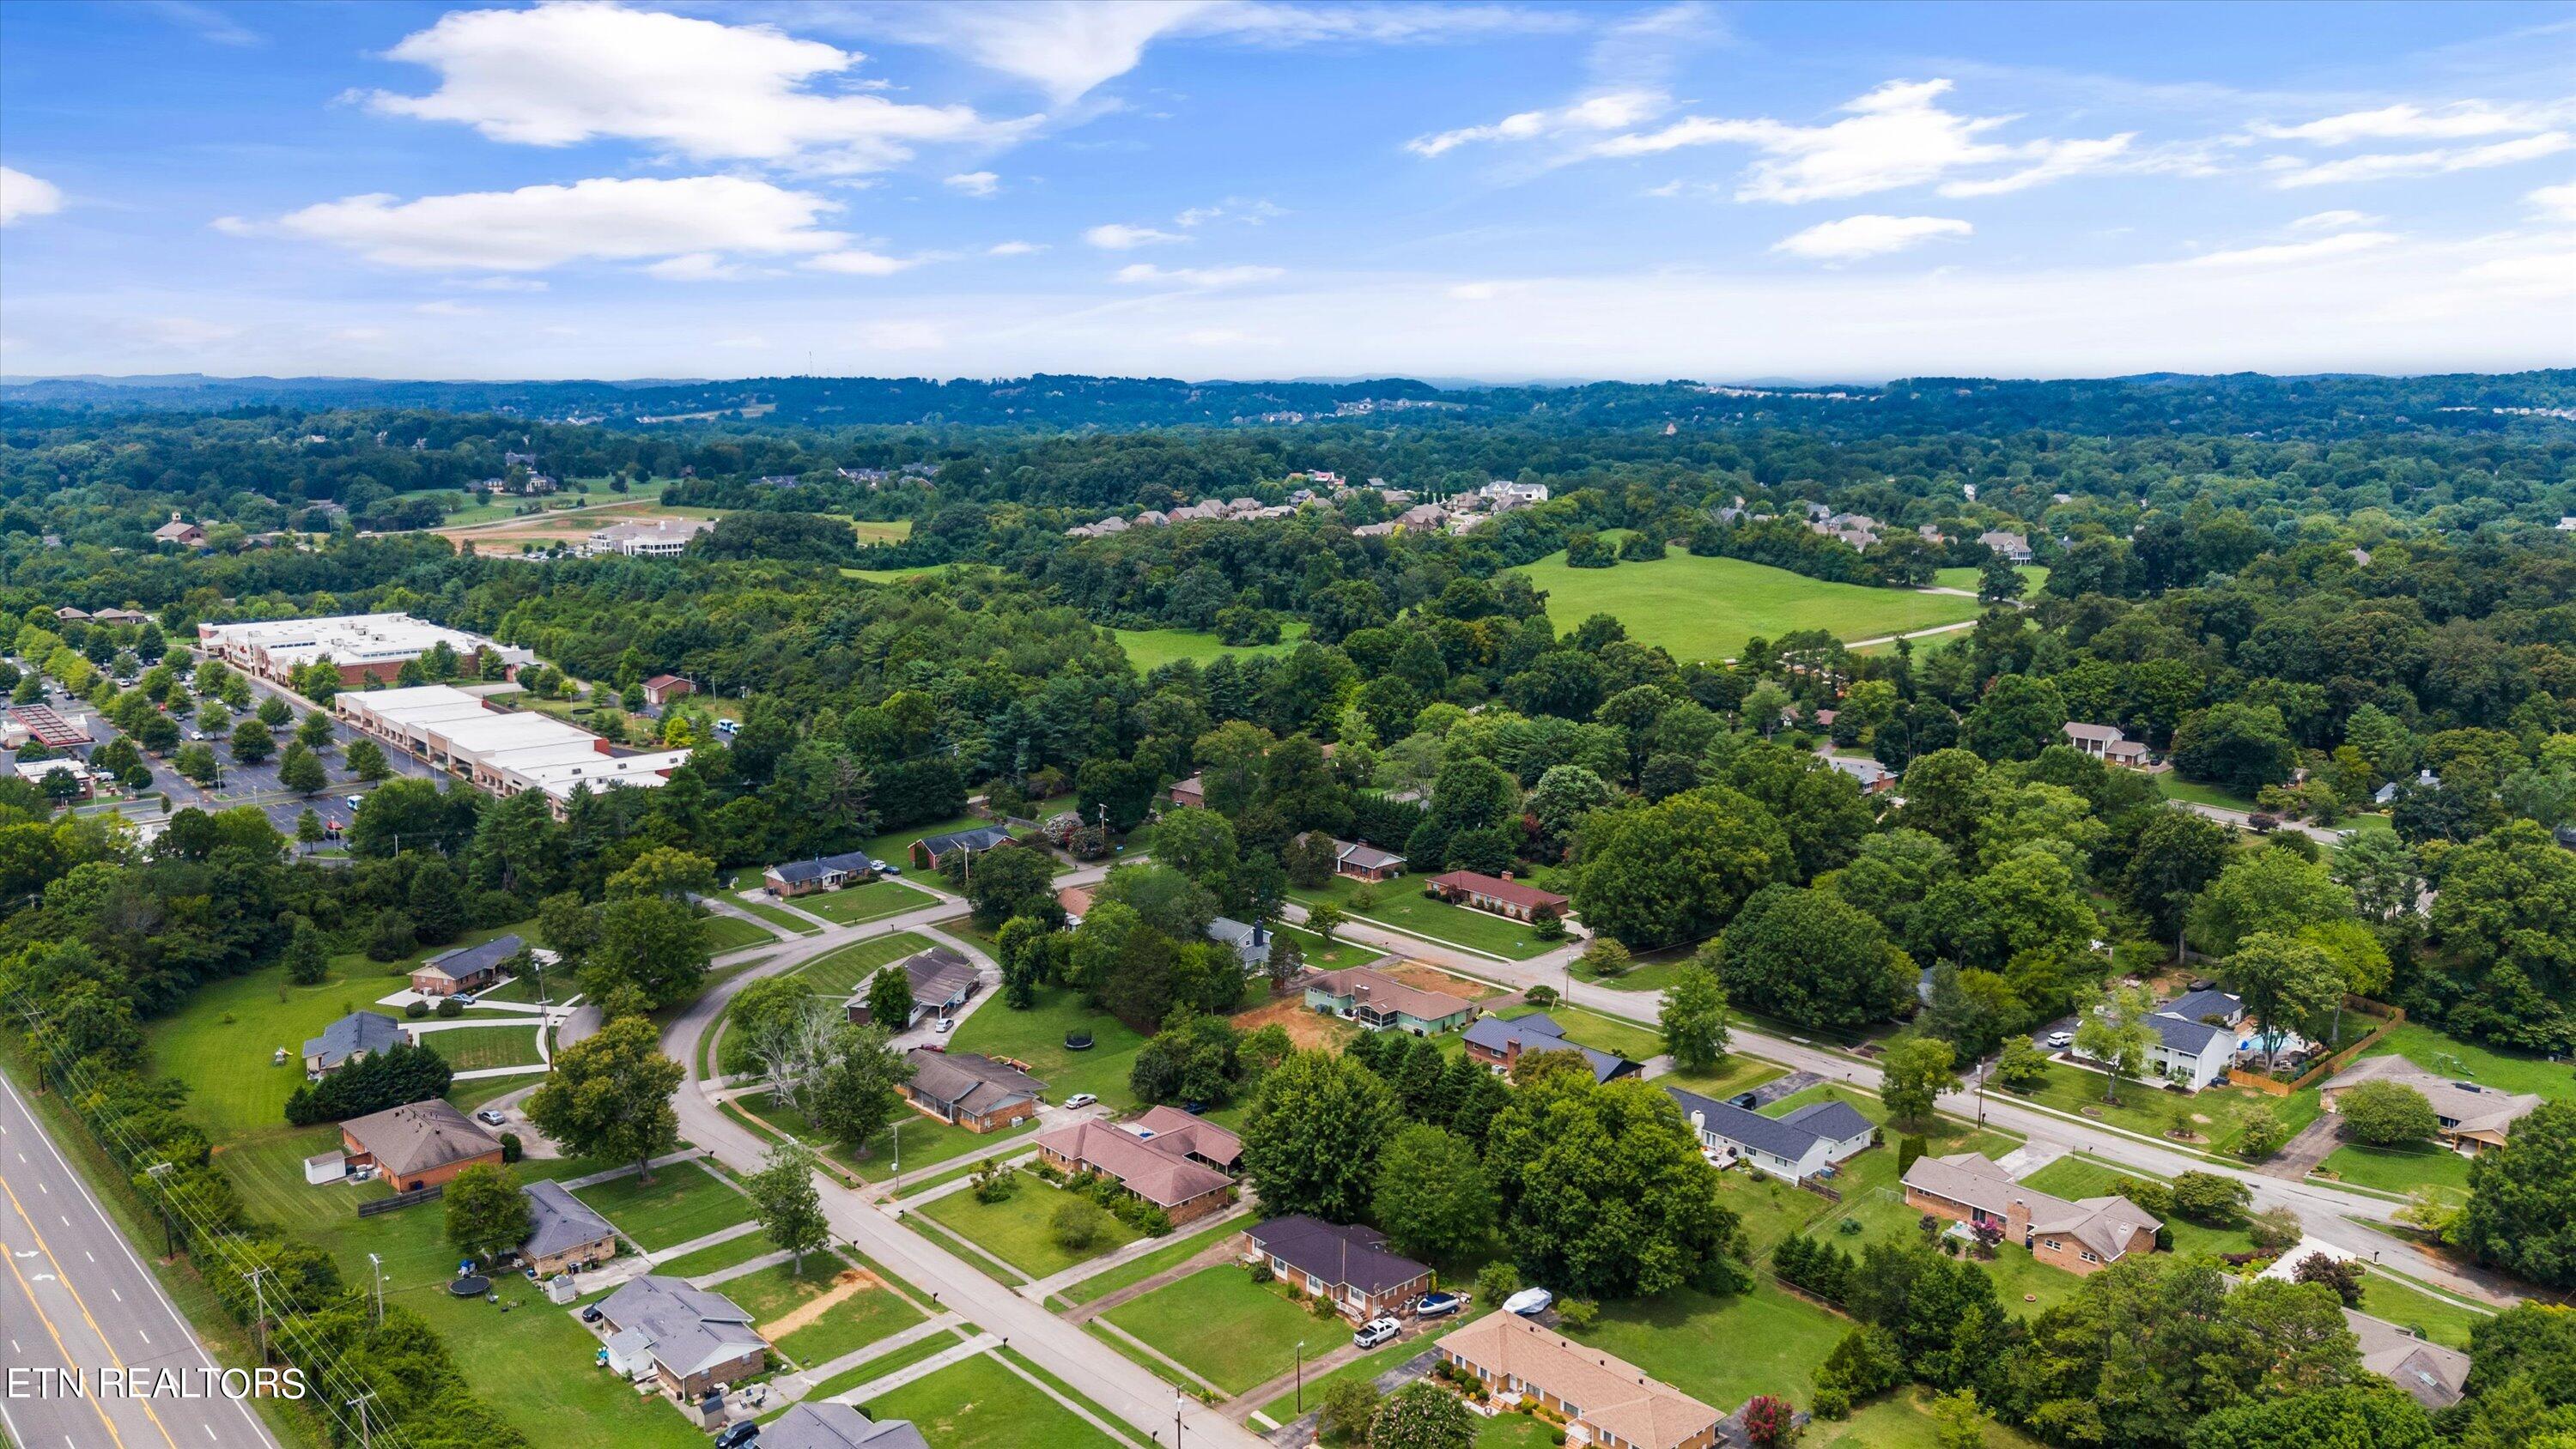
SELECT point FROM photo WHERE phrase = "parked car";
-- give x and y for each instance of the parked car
(1080, 1099)
(356, 800)
(879, 866)
(1375, 1332)
(1746, 1100)
(2202, 983)
(490, 1118)
(2061, 1039)
(737, 1435)
(1529, 1302)
(945, 1025)
(889, 870)
(465, 998)
(591, 1315)
(1440, 1305)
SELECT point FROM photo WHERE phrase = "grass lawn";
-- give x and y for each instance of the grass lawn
(2398, 1169)
(1646, 976)
(1512, 1431)
(875, 900)
(1017, 1230)
(866, 1312)
(2486, 1066)
(2146, 1108)
(683, 1201)
(878, 1367)
(838, 973)
(1179, 1250)
(473, 1048)
(2032, 574)
(1772, 1210)
(1149, 649)
(2075, 1176)
(732, 933)
(979, 1403)
(1721, 1350)
(358, 968)
(722, 1255)
(1326, 955)
(2175, 787)
(1706, 608)
(221, 1039)
(1234, 1332)
(1402, 905)
(895, 846)
(1036, 1036)
(783, 920)
(2440, 1319)
(1903, 1420)
(926, 1141)
(1367, 1366)
(1601, 1033)
(1736, 1073)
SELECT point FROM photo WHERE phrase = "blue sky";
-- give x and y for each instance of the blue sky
(1246, 189)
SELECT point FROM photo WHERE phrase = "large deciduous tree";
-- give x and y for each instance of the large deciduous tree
(486, 1212)
(2521, 1213)
(790, 1209)
(1676, 871)
(1431, 1196)
(1694, 1015)
(610, 1095)
(1312, 1138)
(1806, 957)
(1604, 1191)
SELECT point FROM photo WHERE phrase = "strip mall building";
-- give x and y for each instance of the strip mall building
(499, 752)
(364, 646)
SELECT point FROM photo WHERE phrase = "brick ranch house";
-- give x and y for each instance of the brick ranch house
(1606, 1401)
(418, 1144)
(563, 1231)
(1351, 1266)
(687, 1339)
(1166, 1157)
(1501, 895)
(975, 1092)
(2081, 1237)
(467, 968)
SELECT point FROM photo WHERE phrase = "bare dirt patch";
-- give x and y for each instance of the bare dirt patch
(847, 1284)
(545, 529)
(1432, 978)
(1308, 1029)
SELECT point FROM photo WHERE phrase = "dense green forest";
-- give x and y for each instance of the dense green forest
(2296, 609)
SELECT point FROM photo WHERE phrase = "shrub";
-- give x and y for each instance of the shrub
(1577, 1313)
(1261, 1272)
(450, 1007)
(512, 1149)
(2206, 1197)
(416, 1009)
(1540, 996)
(2340, 1274)
(1347, 1408)
(1770, 1422)
(1497, 1281)
(2386, 1114)
(1832, 1404)
(2274, 1230)
(1077, 1226)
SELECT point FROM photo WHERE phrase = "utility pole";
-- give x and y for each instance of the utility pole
(1301, 1377)
(378, 1265)
(1178, 1404)
(260, 1297)
(366, 1440)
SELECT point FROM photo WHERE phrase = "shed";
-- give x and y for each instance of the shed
(324, 1167)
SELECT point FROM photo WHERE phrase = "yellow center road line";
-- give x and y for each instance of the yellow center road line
(25, 1287)
(65, 1279)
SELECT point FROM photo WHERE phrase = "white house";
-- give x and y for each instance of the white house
(1506, 494)
(2188, 1047)
(1794, 1146)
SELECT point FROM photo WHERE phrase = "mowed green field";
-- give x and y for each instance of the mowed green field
(1705, 608)
(1150, 648)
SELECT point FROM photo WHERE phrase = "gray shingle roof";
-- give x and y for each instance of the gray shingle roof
(359, 1031)
(983, 837)
(419, 1136)
(1781, 1137)
(690, 1329)
(2194, 1005)
(2182, 1035)
(798, 872)
(1540, 1033)
(467, 961)
(1352, 1256)
(970, 1083)
(557, 1220)
(827, 1425)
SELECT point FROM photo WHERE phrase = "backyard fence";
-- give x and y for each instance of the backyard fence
(2390, 1018)
(402, 1200)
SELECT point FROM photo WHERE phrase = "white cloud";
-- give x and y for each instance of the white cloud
(1199, 277)
(2558, 202)
(2333, 220)
(2343, 244)
(2454, 122)
(1065, 48)
(1118, 237)
(1013, 249)
(1233, 208)
(1895, 136)
(576, 70)
(975, 183)
(1855, 237)
(2291, 173)
(1612, 111)
(536, 227)
(860, 262)
(498, 284)
(696, 267)
(443, 308)
(23, 196)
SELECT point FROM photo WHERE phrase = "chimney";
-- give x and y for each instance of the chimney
(1507, 875)
(1699, 1121)
(2017, 1221)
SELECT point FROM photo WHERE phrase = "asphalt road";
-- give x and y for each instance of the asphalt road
(76, 1296)
(1129, 1391)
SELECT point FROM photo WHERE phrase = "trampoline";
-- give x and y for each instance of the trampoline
(471, 1285)
(1077, 1041)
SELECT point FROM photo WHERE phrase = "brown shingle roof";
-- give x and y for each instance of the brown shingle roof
(1161, 1175)
(2103, 1224)
(1612, 1394)
(1378, 989)
(419, 1137)
(1500, 889)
